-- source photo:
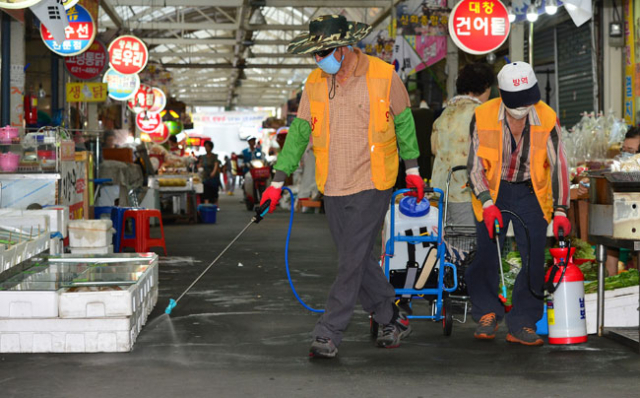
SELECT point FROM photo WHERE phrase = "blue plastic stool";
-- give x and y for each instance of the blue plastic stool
(117, 217)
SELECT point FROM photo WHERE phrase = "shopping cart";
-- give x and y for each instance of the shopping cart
(460, 247)
(441, 310)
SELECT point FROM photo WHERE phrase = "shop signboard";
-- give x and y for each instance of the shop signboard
(121, 87)
(67, 150)
(79, 35)
(479, 26)
(88, 65)
(148, 122)
(69, 3)
(17, 4)
(71, 187)
(629, 63)
(86, 92)
(142, 100)
(128, 55)
(159, 100)
(160, 136)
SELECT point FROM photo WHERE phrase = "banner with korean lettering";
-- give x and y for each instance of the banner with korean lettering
(479, 26)
(90, 64)
(423, 23)
(629, 63)
(79, 35)
(128, 55)
(86, 92)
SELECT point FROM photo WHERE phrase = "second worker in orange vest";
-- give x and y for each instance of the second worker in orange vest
(516, 163)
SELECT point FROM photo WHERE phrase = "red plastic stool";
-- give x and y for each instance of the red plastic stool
(142, 241)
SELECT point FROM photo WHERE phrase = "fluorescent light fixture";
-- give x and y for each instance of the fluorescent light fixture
(551, 6)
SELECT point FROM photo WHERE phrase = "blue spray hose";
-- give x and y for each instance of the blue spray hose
(286, 257)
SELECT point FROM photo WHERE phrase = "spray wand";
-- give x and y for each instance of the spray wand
(260, 213)
(503, 296)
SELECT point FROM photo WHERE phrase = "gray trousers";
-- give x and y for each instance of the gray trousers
(355, 221)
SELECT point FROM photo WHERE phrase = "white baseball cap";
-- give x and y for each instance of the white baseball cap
(518, 85)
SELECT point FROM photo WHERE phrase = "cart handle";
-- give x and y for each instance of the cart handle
(455, 278)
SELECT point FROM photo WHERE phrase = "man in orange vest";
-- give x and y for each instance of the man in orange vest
(358, 111)
(517, 162)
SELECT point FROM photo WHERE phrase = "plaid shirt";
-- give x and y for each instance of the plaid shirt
(516, 158)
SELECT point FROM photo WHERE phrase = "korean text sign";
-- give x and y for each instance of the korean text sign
(88, 65)
(86, 92)
(79, 34)
(479, 26)
(128, 55)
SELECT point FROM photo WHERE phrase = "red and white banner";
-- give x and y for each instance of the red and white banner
(142, 100)
(479, 26)
(148, 122)
(128, 55)
(88, 65)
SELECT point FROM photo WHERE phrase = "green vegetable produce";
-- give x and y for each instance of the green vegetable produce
(624, 279)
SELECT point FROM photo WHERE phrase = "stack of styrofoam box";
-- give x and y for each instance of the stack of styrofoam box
(91, 236)
(82, 321)
(620, 308)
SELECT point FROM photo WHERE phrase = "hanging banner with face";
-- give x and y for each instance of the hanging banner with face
(121, 87)
(90, 64)
(128, 55)
(79, 35)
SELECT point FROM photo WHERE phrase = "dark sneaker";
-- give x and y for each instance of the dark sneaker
(526, 336)
(323, 347)
(487, 326)
(393, 332)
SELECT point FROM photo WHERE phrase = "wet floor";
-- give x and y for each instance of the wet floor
(240, 333)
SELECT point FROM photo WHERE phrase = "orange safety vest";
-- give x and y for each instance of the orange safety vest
(490, 132)
(382, 133)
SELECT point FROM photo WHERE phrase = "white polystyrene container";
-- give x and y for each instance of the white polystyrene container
(404, 223)
(620, 308)
(58, 218)
(92, 250)
(90, 233)
(28, 304)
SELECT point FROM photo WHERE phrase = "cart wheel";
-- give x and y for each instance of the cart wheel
(373, 327)
(447, 317)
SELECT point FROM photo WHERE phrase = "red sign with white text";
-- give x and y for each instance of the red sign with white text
(148, 121)
(142, 99)
(479, 26)
(161, 135)
(128, 55)
(88, 65)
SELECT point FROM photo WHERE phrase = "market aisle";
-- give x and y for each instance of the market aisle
(240, 333)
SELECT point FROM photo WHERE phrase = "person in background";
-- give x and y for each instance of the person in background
(109, 140)
(174, 146)
(630, 146)
(228, 172)
(358, 112)
(210, 166)
(450, 139)
(516, 162)
(251, 153)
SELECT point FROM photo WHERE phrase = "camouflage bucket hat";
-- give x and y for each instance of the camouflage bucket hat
(328, 31)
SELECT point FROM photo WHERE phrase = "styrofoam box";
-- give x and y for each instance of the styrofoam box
(90, 233)
(28, 304)
(69, 335)
(620, 308)
(108, 303)
(92, 250)
(29, 224)
(58, 218)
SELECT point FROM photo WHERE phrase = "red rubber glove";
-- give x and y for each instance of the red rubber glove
(490, 214)
(273, 194)
(415, 181)
(561, 222)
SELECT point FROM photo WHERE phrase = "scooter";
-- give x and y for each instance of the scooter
(255, 182)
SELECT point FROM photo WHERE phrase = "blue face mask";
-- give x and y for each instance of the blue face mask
(329, 63)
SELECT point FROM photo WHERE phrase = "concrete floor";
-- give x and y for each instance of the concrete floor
(240, 333)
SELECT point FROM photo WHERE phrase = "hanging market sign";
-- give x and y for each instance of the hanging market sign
(79, 35)
(629, 63)
(69, 3)
(142, 100)
(121, 87)
(128, 55)
(479, 27)
(159, 100)
(86, 92)
(160, 136)
(88, 65)
(148, 122)
(17, 4)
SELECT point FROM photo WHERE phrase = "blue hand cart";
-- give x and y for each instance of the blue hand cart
(438, 295)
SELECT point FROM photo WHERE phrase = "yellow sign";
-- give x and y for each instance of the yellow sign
(629, 65)
(86, 92)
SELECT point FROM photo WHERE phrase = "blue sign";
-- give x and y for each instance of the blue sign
(121, 87)
(79, 34)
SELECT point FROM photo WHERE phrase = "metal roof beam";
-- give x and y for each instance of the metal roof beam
(108, 9)
(231, 66)
(328, 3)
(221, 55)
(214, 41)
(151, 25)
(180, 3)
